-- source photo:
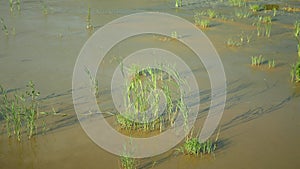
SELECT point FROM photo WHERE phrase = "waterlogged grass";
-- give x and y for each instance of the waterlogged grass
(144, 94)
(193, 146)
(128, 162)
(174, 35)
(233, 43)
(263, 26)
(240, 40)
(89, 25)
(297, 35)
(242, 14)
(203, 23)
(14, 4)
(178, 3)
(257, 60)
(20, 111)
(271, 64)
(94, 82)
(255, 7)
(295, 72)
(4, 27)
(211, 13)
(238, 3)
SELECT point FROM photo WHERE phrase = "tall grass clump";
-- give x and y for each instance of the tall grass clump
(255, 7)
(295, 72)
(143, 96)
(271, 63)
(297, 35)
(4, 27)
(264, 25)
(203, 23)
(14, 4)
(127, 162)
(242, 14)
(178, 3)
(20, 111)
(238, 3)
(211, 13)
(193, 146)
(257, 60)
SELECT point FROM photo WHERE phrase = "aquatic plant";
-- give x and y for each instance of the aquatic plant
(255, 7)
(32, 111)
(297, 35)
(20, 112)
(127, 162)
(45, 7)
(174, 35)
(142, 101)
(94, 82)
(271, 63)
(265, 21)
(211, 13)
(203, 23)
(89, 25)
(239, 40)
(241, 14)
(274, 12)
(4, 27)
(257, 60)
(238, 3)
(295, 72)
(18, 3)
(193, 146)
(11, 5)
(233, 43)
(178, 3)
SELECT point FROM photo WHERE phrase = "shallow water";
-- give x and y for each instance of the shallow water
(260, 125)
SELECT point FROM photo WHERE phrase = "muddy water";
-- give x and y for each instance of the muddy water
(260, 126)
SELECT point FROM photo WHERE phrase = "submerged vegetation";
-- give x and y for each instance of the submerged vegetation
(240, 40)
(255, 8)
(178, 3)
(193, 146)
(4, 27)
(238, 3)
(203, 23)
(127, 162)
(94, 82)
(257, 60)
(297, 35)
(14, 4)
(241, 14)
(271, 63)
(20, 111)
(144, 111)
(295, 69)
(295, 72)
(264, 25)
(89, 25)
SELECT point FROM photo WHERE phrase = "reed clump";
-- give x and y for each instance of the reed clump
(145, 91)
(20, 111)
